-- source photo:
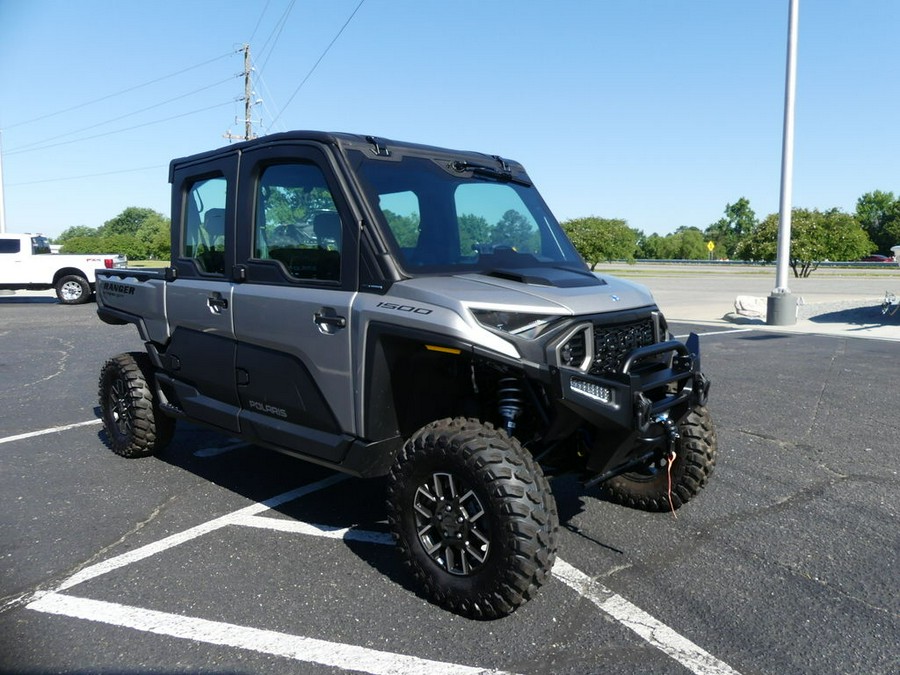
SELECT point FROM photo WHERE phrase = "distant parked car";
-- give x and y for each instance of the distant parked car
(877, 258)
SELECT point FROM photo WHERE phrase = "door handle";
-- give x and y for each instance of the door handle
(217, 303)
(328, 318)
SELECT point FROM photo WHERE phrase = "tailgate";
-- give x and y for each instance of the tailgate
(134, 296)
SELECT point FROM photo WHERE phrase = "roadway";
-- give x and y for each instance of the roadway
(218, 557)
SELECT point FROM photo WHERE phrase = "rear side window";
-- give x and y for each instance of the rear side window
(10, 246)
(40, 246)
(297, 222)
(204, 227)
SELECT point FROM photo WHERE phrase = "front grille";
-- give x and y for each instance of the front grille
(613, 343)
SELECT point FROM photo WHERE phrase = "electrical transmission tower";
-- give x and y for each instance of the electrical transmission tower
(247, 98)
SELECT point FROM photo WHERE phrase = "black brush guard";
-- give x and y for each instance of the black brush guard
(656, 385)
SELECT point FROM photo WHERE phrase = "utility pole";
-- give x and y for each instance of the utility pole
(248, 100)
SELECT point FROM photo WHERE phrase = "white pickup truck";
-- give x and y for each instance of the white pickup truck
(27, 263)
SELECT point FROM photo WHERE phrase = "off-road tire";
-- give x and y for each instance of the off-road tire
(500, 558)
(73, 290)
(695, 457)
(134, 425)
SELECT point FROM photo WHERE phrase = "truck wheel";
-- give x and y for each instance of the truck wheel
(695, 457)
(473, 516)
(134, 424)
(73, 290)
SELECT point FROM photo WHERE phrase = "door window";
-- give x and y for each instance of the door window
(297, 222)
(204, 227)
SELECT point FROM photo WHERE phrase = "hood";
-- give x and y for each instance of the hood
(526, 290)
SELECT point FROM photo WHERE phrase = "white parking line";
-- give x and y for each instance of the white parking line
(718, 332)
(299, 648)
(118, 561)
(650, 629)
(339, 655)
(309, 529)
(44, 432)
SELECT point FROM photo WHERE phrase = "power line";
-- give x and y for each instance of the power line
(90, 175)
(259, 21)
(30, 146)
(118, 93)
(276, 34)
(118, 131)
(267, 96)
(316, 64)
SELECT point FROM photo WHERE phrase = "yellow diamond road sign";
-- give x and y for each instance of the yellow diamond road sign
(710, 245)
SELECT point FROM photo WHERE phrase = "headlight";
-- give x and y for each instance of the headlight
(520, 324)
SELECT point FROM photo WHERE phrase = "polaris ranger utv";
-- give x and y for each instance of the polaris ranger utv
(385, 308)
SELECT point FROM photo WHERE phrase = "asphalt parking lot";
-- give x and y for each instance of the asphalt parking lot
(219, 557)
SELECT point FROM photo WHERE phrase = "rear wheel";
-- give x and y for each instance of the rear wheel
(695, 458)
(73, 290)
(473, 516)
(135, 427)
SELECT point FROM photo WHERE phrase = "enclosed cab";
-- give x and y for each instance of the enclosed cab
(390, 308)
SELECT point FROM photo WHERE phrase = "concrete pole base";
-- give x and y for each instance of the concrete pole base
(781, 310)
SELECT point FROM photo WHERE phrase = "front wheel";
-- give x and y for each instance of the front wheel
(695, 457)
(135, 427)
(73, 290)
(473, 516)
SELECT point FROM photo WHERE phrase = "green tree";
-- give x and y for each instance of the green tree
(815, 236)
(472, 230)
(879, 215)
(602, 239)
(517, 231)
(728, 231)
(650, 247)
(75, 231)
(138, 233)
(404, 228)
(154, 238)
(686, 243)
(85, 244)
(293, 205)
(129, 221)
(127, 244)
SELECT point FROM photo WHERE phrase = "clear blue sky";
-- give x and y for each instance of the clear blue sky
(660, 112)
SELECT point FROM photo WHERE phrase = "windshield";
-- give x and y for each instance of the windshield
(451, 217)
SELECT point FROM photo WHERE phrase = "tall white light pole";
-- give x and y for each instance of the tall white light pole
(782, 307)
(2, 203)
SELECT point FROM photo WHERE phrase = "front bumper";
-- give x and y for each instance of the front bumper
(652, 381)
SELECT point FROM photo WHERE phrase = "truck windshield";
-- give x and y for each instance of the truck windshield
(445, 216)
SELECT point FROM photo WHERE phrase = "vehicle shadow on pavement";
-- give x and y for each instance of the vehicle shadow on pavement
(12, 300)
(258, 474)
(858, 316)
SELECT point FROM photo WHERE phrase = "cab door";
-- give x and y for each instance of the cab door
(292, 311)
(201, 352)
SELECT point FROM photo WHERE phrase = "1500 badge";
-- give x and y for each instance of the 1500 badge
(404, 308)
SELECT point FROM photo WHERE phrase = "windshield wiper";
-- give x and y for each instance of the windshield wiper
(503, 174)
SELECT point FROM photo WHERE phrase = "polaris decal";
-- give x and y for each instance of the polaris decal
(267, 409)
